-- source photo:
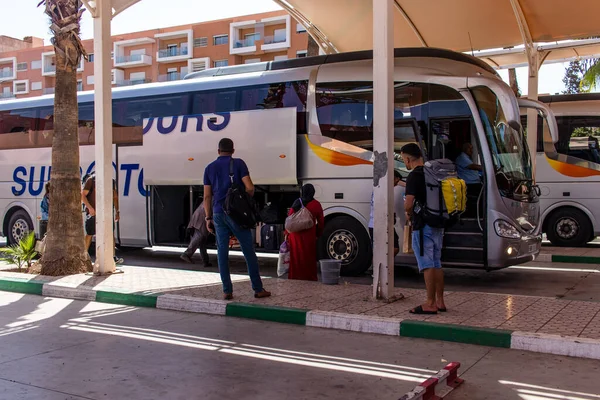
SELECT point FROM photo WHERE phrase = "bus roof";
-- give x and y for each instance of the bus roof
(338, 58)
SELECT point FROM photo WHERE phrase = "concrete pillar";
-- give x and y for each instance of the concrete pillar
(532, 116)
(103, 138)
(383, 141)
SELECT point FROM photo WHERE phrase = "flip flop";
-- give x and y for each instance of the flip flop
(442, 309)
(419, 310)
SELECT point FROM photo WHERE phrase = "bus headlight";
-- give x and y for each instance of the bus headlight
(507, 230)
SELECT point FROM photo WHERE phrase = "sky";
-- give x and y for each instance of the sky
(150, 14)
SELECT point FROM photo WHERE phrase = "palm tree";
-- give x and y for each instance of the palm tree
(65, 250)
(591, 76)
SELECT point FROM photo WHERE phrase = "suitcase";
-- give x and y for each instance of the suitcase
(271, 236)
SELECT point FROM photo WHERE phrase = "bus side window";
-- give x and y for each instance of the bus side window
(578, 137)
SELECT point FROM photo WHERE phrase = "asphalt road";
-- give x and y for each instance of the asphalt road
(57, 349)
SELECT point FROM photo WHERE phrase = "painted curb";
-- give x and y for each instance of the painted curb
(267, 313)
(556, 344)
(127, 299)
(456, 333)
(575, 259)
(355, 323)
(69, 292)
(21, 286)
(190, 304)
(539, 343)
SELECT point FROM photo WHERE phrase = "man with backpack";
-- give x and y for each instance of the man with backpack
(426, 239)
(228, 190)
(88, 197)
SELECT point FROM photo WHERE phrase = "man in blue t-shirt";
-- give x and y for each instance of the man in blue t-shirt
(216, 184)
(469, 171)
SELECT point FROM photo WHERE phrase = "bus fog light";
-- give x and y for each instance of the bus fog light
(510, 251)
(506, 230)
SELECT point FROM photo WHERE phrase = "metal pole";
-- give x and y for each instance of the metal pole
(103, 138)
(383, 128)
(532, 116)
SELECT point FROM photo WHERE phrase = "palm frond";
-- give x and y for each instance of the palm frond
(591, 78)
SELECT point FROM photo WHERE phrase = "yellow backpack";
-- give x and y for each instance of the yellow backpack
(454, 191)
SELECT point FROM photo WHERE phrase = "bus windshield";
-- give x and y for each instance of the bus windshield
(509, 150)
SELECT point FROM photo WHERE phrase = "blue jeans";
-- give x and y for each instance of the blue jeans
(432, 247)
(224, 228)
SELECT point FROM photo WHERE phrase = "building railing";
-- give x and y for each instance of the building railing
(173, 76)
(5, 96)
(173, 52)
(274, 39)
(131, 82)
(49, 68)
(130, 58)
(238, 44)
(7, 73)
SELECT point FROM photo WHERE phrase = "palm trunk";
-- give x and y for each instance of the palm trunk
(65, 249)
(512, 79)
(313, 47)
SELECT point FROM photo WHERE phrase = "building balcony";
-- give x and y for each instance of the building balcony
(175, 46)
(273, 31)
(49, 64)
(49, 90)
(133, 60)
(8, 69)
(132, 82)
(173, 76)
(275, 43)
(6, 96)
(7, 74)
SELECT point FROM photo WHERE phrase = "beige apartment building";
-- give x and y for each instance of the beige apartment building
(27, 67)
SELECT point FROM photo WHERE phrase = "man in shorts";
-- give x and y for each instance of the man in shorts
(88, 197)
(430, 253)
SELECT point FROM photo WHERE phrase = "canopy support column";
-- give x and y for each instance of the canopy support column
(383, 139)
(103, 138)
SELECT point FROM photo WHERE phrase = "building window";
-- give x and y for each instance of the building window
(221, 63)
(280, 58)
(300, 28)
(301, 54)
(79, 85)
(22, 66)
(91, 57)
(220, 39)
(21, 87)
(36, 85)
(37, 64)
(201, 42)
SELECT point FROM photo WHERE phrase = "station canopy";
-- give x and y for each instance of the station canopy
(459, 25)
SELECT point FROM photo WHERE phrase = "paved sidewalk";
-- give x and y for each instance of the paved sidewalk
(482, 318)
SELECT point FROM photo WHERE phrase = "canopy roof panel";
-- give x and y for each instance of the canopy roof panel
(460, 25)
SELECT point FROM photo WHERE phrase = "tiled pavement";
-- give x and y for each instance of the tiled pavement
(512, 312)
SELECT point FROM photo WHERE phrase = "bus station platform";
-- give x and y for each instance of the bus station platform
(540, 324)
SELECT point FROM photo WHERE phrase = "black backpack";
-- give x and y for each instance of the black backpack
(239, 205)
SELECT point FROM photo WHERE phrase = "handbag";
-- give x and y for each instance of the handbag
(40, 245)
(283, 263)
(300, 221)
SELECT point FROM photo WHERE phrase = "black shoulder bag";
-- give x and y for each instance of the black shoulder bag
(239, 205)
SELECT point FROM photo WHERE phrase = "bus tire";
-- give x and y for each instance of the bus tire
(346, 239)
(569, 227)
(19, 225)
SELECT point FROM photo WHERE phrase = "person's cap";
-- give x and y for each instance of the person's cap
(226, 145)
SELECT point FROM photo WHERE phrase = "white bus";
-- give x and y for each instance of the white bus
(568, 169)
(300, 121)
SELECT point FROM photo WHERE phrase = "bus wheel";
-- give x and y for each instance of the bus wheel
(569, 227)
(19, 226)
(345, 239)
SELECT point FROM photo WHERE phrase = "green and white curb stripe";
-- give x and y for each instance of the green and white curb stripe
(355, 323)
(558, 258)
(539, 343)
(556, 344)
(191, 304)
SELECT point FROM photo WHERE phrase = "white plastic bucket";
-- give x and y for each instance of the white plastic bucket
(330, 271)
